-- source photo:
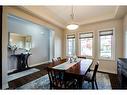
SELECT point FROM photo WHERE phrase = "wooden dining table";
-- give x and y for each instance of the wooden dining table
(76, 69)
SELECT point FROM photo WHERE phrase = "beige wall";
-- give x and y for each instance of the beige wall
(4, 49)
(125, 35)
(107, 66)
(58, 36)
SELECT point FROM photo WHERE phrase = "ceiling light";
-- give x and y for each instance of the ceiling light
(72, 26)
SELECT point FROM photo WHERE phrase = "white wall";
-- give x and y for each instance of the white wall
(106, 66)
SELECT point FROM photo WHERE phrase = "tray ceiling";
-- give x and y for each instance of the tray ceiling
(60, 15)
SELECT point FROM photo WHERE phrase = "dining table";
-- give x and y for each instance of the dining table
(77, 68)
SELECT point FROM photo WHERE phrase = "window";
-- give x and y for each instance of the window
(86, 44)
(70, 45)
(106, 44)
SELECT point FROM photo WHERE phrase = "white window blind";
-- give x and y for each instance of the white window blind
(107, 32)
(85, 35)
(71, 36)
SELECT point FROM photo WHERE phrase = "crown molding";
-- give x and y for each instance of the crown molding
(48, 16)
(116, 11)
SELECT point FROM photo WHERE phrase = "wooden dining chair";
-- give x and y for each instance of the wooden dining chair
(54, 60)
(59, 79)
(59, 58)
(91, 77)
(81, 57)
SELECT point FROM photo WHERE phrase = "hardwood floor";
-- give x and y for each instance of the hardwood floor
(114, 81)
(21, 81)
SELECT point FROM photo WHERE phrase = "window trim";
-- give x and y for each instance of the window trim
(93, 41)
(113, 45)
(67, 44)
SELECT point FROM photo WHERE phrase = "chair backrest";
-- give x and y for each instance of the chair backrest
(59, 58)
(54, 60)
(81, 57)
(95, 70)
(56, 77)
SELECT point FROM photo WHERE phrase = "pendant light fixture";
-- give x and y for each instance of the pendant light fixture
(72, 26)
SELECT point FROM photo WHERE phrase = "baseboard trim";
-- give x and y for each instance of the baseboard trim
(33, 65)
(104, 71)
(11, 70)
(107, 72)
(5, 86)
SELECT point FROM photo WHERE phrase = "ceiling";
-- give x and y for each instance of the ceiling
(60, 15)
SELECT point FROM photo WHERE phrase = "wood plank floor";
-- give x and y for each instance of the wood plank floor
(23, 80)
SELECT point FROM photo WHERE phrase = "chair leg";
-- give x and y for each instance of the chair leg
(96, 84)
(92, 85)
(50, 86)
(80, 84)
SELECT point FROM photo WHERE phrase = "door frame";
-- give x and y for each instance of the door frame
(1, 11)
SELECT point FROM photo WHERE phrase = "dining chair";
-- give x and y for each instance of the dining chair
(59, 79)
(54, 60)
(81, 57)
(91, 76)
(59, 58)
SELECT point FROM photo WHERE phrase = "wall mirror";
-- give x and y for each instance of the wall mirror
(19, 41)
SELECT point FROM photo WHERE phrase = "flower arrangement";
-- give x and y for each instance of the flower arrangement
(12, 47)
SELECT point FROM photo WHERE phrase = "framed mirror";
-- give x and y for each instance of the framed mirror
(20, 41)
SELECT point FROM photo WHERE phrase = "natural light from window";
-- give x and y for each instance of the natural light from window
(86, 44)
(106, 44)
(70, 45)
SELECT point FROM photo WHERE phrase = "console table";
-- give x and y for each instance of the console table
(22, 63)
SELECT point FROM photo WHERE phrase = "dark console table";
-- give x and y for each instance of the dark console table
(122, 72)
(22, 63)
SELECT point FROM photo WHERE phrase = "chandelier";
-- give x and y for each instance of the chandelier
(72, 26)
